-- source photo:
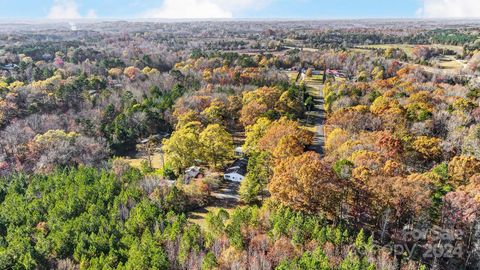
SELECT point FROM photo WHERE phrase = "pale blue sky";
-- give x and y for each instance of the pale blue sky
(311, 9)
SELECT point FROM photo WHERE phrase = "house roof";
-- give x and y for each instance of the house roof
(239, 166)
(192, 172)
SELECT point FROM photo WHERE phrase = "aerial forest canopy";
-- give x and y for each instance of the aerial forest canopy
(240, 145)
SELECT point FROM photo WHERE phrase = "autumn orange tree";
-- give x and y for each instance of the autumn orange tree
(277, 133)
(271, 101)
(251, 112)
(306, 183)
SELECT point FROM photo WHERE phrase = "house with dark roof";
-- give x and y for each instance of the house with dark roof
(8, 66)
(237, 171)
(192, 173)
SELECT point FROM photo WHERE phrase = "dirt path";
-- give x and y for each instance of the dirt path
(317, 116)
(226, 197)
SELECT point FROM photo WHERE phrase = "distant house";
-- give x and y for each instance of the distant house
(192, 173)
(237, 171)
(156, 138)
(8, 67)
(336, 73)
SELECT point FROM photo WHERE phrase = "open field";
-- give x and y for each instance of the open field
(306, 49)
(157, 161)
(450, 62)
(292, 75)
(445, 62)
(198, 216)
(408, 48)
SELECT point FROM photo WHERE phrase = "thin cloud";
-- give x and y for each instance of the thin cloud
(68, 9)
(202, 9)
(91, 14)
(450, 9)
(194, 9)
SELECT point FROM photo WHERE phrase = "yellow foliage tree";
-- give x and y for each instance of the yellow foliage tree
(379, 105)
(16, 84)
(461, 168)
(336, 138)
(287, 146)
(115, 72)
(254, 133)
(182, 148)
(309, 72)
(150, 71)
(215, 112)
(286, 104)
(217, 145)
(428, 147)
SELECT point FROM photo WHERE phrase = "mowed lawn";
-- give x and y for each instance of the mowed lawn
(199, 216)
(157, 161)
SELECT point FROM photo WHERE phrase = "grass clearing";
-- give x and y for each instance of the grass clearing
(450, 62)
(408, 48)
(157, 161)
(450, 65)
(292, 75)
(198, 216)
(317, 78)
(313, 89)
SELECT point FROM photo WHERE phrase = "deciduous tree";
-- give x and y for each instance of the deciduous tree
(216, 145)
(461, 168)
(280, 130)
(305, 183)
(183, 148)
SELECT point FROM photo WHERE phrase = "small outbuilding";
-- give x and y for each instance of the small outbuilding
(238, 152)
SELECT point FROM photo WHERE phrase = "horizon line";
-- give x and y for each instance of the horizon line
(114, 19)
